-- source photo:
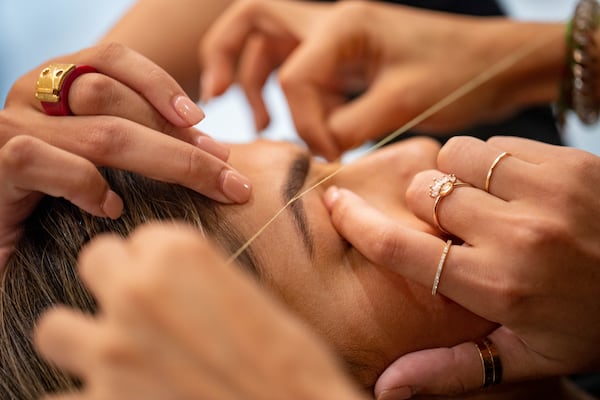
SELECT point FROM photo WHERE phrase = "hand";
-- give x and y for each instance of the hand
(529, 262)
(132, 115)
(30, 168)
(248, 42)
(360, 70)
(177, 322)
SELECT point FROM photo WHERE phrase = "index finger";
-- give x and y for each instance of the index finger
(145, 77)
(123, 144)
(224, 42)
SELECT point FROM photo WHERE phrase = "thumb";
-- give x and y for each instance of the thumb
(463, 368)
(448, 371)
(370, 116)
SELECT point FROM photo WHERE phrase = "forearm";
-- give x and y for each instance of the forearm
(169, 34)
(535, 78)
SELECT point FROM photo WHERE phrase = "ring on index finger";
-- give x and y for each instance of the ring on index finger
(440, 188)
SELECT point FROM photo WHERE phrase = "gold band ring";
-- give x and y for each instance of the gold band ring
(490, 362)
(488, 178)
(440, 267)
(441, 188)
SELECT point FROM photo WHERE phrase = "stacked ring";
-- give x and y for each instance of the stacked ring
(53, 84)
(441, 188)
(440, 267)
(488, 178)
(490, 362)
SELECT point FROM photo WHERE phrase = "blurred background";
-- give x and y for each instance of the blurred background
(32, 32)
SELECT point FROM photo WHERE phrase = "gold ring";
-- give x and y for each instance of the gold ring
(53, 84)
(441, 188)
(488, 178)
(440, 267)
(490, 362)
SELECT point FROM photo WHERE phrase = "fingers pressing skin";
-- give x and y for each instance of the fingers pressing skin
(459, 369)
(30, 165)
(123, 144)
(130, 84)
(381, 240)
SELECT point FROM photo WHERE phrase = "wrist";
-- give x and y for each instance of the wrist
(535, 79)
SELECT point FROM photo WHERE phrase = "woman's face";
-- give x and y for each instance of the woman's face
(367, 313)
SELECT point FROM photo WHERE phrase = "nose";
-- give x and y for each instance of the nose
(385, 174)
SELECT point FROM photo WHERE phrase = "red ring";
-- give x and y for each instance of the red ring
(61, 107)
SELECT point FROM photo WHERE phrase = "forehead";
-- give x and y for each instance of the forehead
(266, 164)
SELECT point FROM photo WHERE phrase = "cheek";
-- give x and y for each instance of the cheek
(371, 316)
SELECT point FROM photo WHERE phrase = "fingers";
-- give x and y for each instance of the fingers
(465, 275)
(62, 336)
(143, 76)
(460, 369)
(256, 64)
(368, 117)
(471, 160)
(452, 212)
(224, 43)
(123, 144)
(98, 94)
(29, 165)
(382, 240)
(452, 370)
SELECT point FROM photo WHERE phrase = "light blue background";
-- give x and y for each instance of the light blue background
(32, 32)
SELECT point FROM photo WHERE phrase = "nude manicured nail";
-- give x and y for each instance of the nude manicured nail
(188, 110)
(213, 147)
(401, 393)
(112, 205)
(236, 186)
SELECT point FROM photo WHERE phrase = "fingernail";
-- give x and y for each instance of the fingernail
(112, 205)
(331, 196)
(235, 186)
(400, 393)
(188, 110)
(213, 147)
(206, 86)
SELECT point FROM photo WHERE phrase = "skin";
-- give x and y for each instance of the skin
(355, 70)
(530, 263)
(393, 314)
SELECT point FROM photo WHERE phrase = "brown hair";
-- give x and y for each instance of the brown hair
(42, 271)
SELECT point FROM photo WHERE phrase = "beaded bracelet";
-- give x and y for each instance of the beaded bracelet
(580, 86)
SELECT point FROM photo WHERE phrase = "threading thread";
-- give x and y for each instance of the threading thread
(464, 89)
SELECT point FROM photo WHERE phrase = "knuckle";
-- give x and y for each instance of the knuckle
(110, 51)
(288, 80)
(105, 139)
(387, 248)
(532, 233)
(112, 349)
(455, 149)
(18, 153)
(93, 94)
(351, 9)
(197, 161)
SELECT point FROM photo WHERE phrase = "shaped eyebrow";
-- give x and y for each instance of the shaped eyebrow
(296, 178)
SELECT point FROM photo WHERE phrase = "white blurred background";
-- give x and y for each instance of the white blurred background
(29, 35)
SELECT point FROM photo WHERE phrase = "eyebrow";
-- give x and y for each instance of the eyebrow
(296, 178)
